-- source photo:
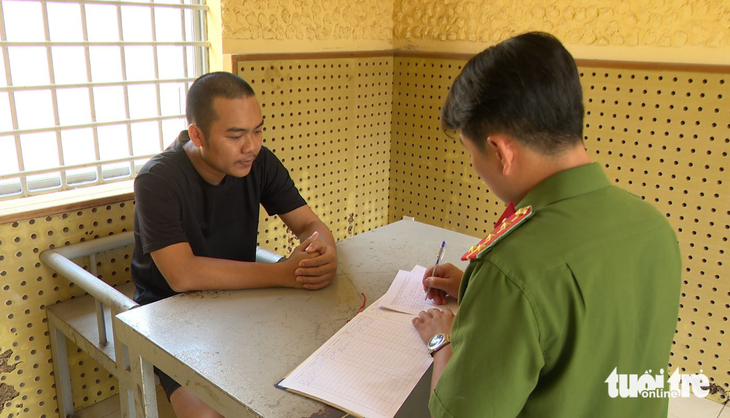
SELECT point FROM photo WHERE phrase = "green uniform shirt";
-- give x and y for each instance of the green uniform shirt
(588, 284)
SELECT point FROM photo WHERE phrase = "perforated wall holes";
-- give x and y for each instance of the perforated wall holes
(329, 122)
(28, 288)
(431, 176)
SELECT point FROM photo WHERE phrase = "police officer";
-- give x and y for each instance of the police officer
(582, 279)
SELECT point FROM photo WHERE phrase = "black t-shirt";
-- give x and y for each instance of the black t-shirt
(175, 204)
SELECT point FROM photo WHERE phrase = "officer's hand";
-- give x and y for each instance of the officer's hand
(446, 282)
(291, 264)
(433, 321)
(318, 271)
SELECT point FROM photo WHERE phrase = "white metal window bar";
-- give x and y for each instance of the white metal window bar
(190, 44)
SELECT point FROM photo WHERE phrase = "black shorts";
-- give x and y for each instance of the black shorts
(167, 383)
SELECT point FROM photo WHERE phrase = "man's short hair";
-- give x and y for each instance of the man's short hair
(199, 104)
(526, 87)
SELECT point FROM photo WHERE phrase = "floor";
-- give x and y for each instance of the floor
(109, 408)
(693, 407)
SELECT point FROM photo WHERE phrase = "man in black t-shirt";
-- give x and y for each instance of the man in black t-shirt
(197, 210)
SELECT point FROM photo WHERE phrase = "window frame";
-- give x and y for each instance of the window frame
(195, 49)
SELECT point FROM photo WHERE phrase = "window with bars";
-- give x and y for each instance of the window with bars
(91, 89)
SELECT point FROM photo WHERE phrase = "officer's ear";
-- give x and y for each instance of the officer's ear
(504, 148)
(196, 135)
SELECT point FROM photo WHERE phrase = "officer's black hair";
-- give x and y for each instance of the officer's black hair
(199, 104)
(526, 87)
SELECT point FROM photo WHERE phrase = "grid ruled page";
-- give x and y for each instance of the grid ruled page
(369, 367)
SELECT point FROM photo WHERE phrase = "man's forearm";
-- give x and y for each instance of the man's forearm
(185, 271)
(205, 273)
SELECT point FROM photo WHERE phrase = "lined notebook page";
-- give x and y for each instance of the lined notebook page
(368, 368)
(406, 294)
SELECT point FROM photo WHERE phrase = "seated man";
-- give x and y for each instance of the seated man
(197, 211)
(584, 278)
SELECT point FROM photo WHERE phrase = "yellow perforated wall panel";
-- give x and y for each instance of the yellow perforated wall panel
(28, 288)
(328, 120)
(662, 135)
(431, 176)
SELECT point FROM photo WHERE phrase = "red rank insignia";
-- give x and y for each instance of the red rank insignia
(507, 225)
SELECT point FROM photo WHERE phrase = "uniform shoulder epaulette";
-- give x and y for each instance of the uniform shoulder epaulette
(508, 225)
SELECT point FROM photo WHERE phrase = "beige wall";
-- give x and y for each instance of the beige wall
(264, 26)
(692, 31)
(687, 31)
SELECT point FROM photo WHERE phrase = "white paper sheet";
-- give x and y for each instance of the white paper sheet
(368, 368)
(406, 294)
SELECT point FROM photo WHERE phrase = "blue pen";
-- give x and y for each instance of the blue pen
(439, 257)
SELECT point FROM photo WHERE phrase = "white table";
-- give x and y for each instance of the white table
(231, 347)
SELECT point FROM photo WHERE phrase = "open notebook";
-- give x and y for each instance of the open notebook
(371, 365)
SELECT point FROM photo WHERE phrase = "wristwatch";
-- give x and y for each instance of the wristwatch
(438, 342)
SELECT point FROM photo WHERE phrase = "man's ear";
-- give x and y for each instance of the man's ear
(196, 135)
(504, 146)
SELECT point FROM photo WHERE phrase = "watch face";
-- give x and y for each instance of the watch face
(436, 340)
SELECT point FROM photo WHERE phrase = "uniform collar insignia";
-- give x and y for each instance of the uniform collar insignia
(507, 225)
